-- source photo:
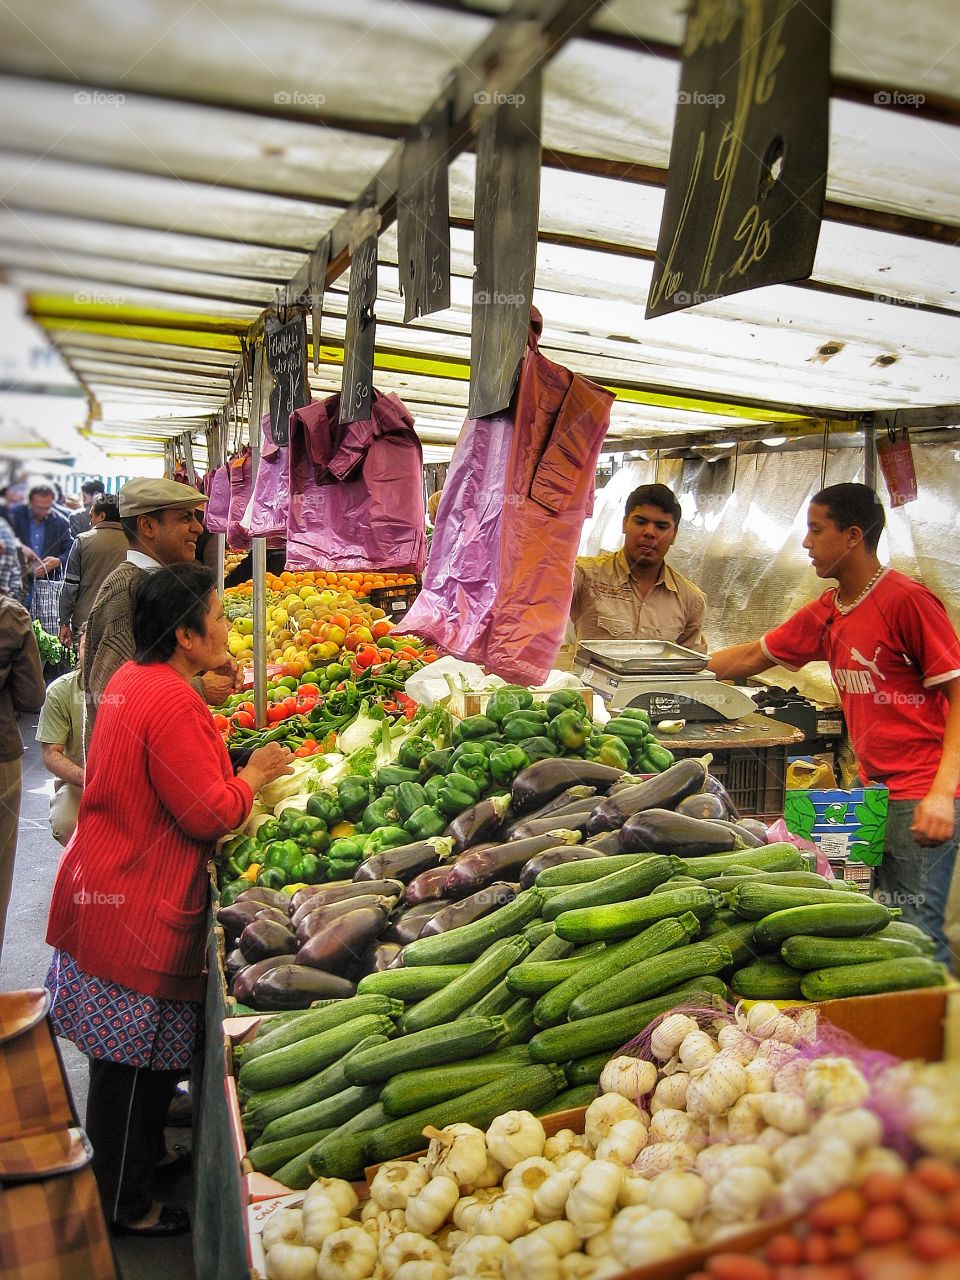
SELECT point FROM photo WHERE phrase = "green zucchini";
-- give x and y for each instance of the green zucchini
(533, 979)
(269, 1104)
(451, 1042)
(738, 937)
(838, 919)
(485, 972)
(267, 1157)
(589, 869)
(605, 968)
(908, 933)
(306, 1057)
(296, 1173)
(526, 1089)
(769, 857)
(676, 882)
(789, 879)
(623, 919)
(339, 1155)
(550, 948)
(471, 940)
(650, 978)
(609, 1031)
(871, 979)
(414, 1090)
(536, 931)
(313, 1021)
(803, 951)
(631, 882)
(766, 980)
(580, 1095)
(519, 1023)
(753, 899)
(586, 1070)
(411, 985)
(327, 1114)
(491, 1005)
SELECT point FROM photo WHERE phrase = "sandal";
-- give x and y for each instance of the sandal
(172, 1222)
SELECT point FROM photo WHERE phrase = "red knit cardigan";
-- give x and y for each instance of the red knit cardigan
(130, 899)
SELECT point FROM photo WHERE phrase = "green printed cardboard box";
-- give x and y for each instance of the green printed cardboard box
(848, 824)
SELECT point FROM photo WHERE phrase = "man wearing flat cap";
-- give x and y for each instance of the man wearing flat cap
(160, 522)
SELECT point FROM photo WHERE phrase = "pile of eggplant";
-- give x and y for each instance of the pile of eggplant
(285, 952)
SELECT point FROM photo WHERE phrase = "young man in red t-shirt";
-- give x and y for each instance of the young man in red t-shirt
(895, 660)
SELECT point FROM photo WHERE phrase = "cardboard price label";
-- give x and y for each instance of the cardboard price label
(899, 473)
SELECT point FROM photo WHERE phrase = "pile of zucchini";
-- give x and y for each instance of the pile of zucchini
(521, 1005)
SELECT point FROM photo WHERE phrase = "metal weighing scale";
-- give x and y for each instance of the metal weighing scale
(666, 680)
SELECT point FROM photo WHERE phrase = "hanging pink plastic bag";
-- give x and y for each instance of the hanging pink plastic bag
(218, 508)
(267, 510)
(240, 471)
(778, 832)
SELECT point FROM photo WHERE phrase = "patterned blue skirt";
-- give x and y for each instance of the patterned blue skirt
(111, 1021)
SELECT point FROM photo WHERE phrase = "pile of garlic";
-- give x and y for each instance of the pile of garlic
(739, 1125)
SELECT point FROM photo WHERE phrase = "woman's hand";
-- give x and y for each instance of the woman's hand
(265, 764)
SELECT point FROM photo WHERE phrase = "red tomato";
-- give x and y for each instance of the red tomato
(275, 713)
(937, 1175)
(922, 1204)
(382, 627)
(883, 1224)
(248, 707)
(881, 1188)
(289, 706)
(244, 720)
(303, 751)
(220, 722)
(367, 655)
(931, 1242)
(843, 1208)
(784, 1248)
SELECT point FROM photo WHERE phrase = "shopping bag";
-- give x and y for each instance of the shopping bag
(218, 508)
(240, 470)
(45, 603)
(51, 1221)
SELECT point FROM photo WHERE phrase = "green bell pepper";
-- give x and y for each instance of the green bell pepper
(267, 831)
(538, 748)
(303, 825)
(564, 700)
(657, 757)
(511, 697)
(346, 849)
(410, 796)
(425, 822)
(475, 765)
(433, 786)
(382, 813)
(636, 713)
(457, 793)
(436, 762)
(283, 855)
(523, 724)
(310, 870)
(242, 852)
(413, 752)
(474, 727)
(232, 890)
(391, 775)
(354, 795)
(611, 750)
(272, 878)
(631, 730)
(506, 763)
(570, 729)
(325, 805)
(386, 837)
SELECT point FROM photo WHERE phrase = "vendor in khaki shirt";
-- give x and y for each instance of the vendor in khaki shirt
(633, 594)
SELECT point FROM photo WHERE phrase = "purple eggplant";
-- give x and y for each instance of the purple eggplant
(481, 822)
(269, 897)
(570, 819)
(238, 915)
(407, 926)
(663, 791)
(317, 919)
(703, 805)
(629, 780)
(756, 825)
(348, 889)
(377, 957)
(475, 868)
(747, 834)
(663, 831)
(232, 964)
(553, 858)
(469, 909)
(405, 861)
(296, 986)
(572, 795)
(429, 885)
(311, 890)
(338, 946)
(544, 779)
(608, 842)
(246, 979)
(263, 938)
(716, 788)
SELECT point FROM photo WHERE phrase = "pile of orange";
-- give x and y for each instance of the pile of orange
(357, 585)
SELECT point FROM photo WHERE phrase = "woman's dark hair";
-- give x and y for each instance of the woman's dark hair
(105, 504)
(854, 504)
(170, 598)
(654, 495)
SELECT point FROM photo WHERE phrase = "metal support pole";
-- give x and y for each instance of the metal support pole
(216, 453)
(870, 456)
(259, 573)
(188, 458)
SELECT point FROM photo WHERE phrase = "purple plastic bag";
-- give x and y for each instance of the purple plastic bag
(266, 513)
(218, 508)
(240, 470)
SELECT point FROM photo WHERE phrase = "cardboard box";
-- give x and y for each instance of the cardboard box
(844, 824)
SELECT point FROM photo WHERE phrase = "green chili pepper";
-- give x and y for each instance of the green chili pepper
(474, 727)
(523, 724)
(511, 697)
(570, 729)
(410, 796)
(354, 795)
(325, 805)
(564, 700)
(506, 763)
(539, 748)
(425, 822)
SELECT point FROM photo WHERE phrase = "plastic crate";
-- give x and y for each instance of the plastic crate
(755, 777)
(394, 601)
(858, 873)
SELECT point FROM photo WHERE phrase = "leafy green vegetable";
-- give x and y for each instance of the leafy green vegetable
(52, 652)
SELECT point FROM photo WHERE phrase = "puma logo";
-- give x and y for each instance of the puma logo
(871, 665)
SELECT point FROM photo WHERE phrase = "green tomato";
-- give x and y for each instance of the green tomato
(336, 671)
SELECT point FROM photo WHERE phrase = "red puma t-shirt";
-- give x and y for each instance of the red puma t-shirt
(887, 656)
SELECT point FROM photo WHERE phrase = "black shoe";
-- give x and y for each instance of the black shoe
(172, 1222)
(167, 1170)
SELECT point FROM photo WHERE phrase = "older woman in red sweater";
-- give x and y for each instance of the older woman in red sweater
(128, 914)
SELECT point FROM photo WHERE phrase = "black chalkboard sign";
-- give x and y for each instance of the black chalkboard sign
(359, 344)
(423, 218)
(286, 346)
(748, 162)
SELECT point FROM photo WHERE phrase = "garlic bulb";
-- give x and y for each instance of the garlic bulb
(604, 1112)
(790, 1077)
(479, 1255)
(777, 1052)
(623, 1143)
(561, 1237)
(829, 1167)
(732, 1039)
(630, 1077)
(760, 1020)
(348, 1254)
(492, 1174)
(550, 1198)
(640, 1236)
(600, 1245)
(336, 1189)
(528, 1256)
(784, 1111)
(458, 1151)
(877, 1160)
(858, 1127)
(792, 1152)
(745, 1120)
(408, 1246)
(429, 1209)
(285, 1226)
(714, 1163)
(669, 1033)
(574, 1160)
(634, 1189)
(320, 1217)
(697, 1050)
(422, 1269)
(559, 1143)
(786, 1030)
(715, 1091)
(660, 1156)
(591, 1202)
(833, 1083)
(578, 1266)
(530, 1174)
(507, 1216)
(670, 1092)
(396, 1181)
(681, 1192)
(759, 1074)
(291, 1262)
(772, 1139)
(514, 1136)
(671, 1125)
(741, 1194)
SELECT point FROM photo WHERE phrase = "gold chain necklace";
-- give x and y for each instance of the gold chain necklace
(845, 608)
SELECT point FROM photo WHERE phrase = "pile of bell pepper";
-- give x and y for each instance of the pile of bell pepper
(628, 742)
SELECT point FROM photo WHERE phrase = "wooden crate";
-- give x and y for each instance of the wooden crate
(466, 703)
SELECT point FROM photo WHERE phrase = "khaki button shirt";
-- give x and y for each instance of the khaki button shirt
(607, 603)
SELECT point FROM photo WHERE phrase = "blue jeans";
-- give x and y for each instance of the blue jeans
(917, 879)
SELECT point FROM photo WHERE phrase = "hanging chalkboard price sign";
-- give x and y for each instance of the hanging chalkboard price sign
(286, 345)
(423, 216)
(359, 344)
(748, 161)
